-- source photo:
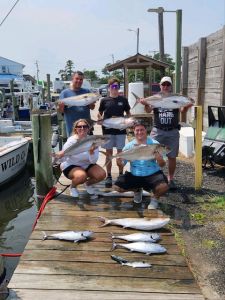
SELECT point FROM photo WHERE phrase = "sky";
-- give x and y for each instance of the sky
(93, 33)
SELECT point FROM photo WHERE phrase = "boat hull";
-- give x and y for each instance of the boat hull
(13, 158)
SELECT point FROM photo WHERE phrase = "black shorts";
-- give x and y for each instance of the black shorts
(128, 181)
(68, 169)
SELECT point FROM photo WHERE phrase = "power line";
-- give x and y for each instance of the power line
(9, 12)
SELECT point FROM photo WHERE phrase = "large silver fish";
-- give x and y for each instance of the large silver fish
(137, 223)
(118, 122)
(133, 264)
(81, 100)
(138, 237)
(74, 236)
(86, 143)
(143, 247)
(171, 101)
(141, 152)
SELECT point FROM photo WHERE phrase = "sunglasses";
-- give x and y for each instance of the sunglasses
(115, 86)
(82, 126)
(166, 84)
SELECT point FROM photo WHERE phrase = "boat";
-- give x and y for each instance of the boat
(13, 156)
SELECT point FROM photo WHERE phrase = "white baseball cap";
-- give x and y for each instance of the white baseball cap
(166, 79)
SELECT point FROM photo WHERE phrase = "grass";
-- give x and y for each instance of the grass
(216, 202)
(210, 244)
(200, 218)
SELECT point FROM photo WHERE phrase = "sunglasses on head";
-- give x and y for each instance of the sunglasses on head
(166, 84)
(82, 126)
(115, 86)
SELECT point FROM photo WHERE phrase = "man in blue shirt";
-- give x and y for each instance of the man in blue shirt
(144, 174)
(74, 113)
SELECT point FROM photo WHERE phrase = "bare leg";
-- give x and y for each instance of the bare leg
(109, 153)
(160, 189)
(171, 167)
(118, 162)
(78, 176)
(95, 174)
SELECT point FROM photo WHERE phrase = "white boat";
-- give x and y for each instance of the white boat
(13, 156)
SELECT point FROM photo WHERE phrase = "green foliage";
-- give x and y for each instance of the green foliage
(66, 74)
(210, 244)
(198, 217)
(91, 75)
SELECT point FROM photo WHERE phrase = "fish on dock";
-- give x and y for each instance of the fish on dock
(133, 264)
(120, 123)
(139, 237)
(137, 223)
(81, 100)
(143, 247)
(74, 236)
(170, 101)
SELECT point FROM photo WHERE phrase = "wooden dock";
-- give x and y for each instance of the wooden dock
(53, 269)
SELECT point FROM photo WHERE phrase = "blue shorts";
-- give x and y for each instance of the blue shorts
(117, 141)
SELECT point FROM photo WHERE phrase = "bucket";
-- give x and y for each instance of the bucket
(138, 89)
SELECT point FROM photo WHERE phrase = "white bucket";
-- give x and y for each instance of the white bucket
(138, 89)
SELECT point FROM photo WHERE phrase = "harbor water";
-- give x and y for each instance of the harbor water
(18, 209)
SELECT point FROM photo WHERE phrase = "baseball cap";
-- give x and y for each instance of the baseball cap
(166, 79)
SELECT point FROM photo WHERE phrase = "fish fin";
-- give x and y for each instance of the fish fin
(136, 99)
(112, 236)
(45, 236)
(105, 220)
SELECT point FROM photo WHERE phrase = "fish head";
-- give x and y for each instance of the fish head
(161, 148)
(87, 233)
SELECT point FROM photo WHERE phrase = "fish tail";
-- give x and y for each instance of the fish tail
(44, 236)
(104, 220)
(112, 236)
(114, 245)
(136, 99)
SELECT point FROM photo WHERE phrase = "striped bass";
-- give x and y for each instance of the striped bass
(139, 237)
(133, 264)
(81, 100)
(137, 223)
(170, 101)
(140, 152)
(118, 122)
(74, 236)
(143, 247)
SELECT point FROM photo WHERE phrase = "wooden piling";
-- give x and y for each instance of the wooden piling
(42, 132)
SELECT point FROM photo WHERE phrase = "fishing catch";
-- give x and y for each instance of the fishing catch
(141, 152)
(118, 122)
(81, 100)
(143, 247)
(74, 236)
(136, 223)
(171, 101)
(133, 264)
(138, 237)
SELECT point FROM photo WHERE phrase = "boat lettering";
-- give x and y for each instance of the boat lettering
(12, 161)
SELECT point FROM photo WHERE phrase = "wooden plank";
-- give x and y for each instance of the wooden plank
(101, 269)
(88, 256)
(99, 283)
(85, 246)
(27, 294)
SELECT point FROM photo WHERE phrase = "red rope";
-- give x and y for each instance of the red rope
(11, 254)
(47, 198)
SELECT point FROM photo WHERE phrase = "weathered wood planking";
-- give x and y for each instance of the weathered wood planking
(65, 270)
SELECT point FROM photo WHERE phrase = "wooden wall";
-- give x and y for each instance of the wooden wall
(203, 72)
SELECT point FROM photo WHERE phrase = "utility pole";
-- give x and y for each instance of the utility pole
(178, 50)
(36, 63)
(113, 58)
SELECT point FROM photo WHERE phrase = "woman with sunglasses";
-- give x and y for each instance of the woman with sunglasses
(82, 168)
(113, 106)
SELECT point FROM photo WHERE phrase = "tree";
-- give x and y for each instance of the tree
(66, 74)
(91, 75)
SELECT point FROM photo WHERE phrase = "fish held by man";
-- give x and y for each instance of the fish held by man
(139, 237)
(81, 100)
(170, 101)
(120, 123)
(143, 247)
(136, 223)
(74, 236)
(141, 152)
(133, 264)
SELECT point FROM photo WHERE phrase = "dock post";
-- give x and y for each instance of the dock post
(42, 133)
(15, 105)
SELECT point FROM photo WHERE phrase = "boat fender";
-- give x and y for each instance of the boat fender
(55, 138)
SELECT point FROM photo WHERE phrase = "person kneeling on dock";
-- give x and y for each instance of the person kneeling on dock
(81, 168)
(144, 174)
